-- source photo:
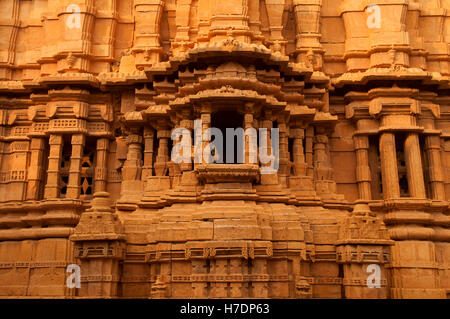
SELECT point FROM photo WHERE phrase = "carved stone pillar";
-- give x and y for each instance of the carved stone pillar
(301, 184)
(162, 158)
(147, 169)
(73, 187)
(35, 171)
(205, 118)
(133, 165)
(156, 185)
(298, 152)
(389, 170)
(101, 170)
(325, 186)
(132, 185)
(283, 142)
(189, 125)
(436, 176)
(249, 148)
(362, 166)
(413, 161)
(309, 137)
(54, 159)
(174, 167)
(321, 160)
(266, 148)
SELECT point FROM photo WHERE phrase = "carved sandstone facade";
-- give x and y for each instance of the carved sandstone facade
(91, 90)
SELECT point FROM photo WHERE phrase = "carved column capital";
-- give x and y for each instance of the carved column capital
(134, 139)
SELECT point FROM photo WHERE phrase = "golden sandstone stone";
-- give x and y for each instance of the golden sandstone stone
(92, 91)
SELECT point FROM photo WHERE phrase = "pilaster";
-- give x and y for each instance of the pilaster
(52, 188)
(36, 169)
(389, 171)
(101, 168)
(73, 187)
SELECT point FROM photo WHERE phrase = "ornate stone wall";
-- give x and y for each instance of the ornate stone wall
(92, 90)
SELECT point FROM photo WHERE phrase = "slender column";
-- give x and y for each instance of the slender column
(298, 151)
(54, 160)
(163, 152)
(321, 160)
(101, 169)
(323, 173)
(147, 169)
(266, 123)
(414, 168)
(206, 124)
(283, 170)
(309, 137)
(389, 170)
(362, 166)
(189, 125)
(249, 149)
(174, 168)
(132, 167)
(35, 172)
(73, 187)
(433, 149)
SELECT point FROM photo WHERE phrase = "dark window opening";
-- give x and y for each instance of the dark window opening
(87, 169)
(65, 165)
(341, 275)
(425, 167)
(118, 132)
(375, 168)
(45, 156)
(401, 165)
(155, 151)
(291, 149)
(223, 120)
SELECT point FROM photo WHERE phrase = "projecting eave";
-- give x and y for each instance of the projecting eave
(229, 49)
(302, 112)
(227, 94)
(70, 78)
(325, 118)
(381, 74)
